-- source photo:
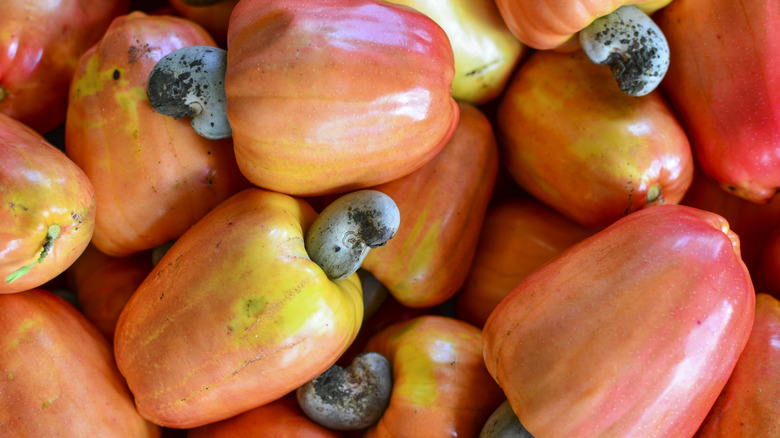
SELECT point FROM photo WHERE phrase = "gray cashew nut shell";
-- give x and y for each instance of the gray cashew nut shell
(349, 399)
(190, 81)
(634, 47)
(341, 236)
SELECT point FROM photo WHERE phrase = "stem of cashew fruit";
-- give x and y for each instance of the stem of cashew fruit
(51, 235)
(349, 399)
(339, 239)
(634, 47)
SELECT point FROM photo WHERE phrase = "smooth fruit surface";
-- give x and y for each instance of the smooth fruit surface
(632, 331)
(331, 96)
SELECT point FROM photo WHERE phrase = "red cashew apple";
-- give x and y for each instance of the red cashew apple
(235, 315)
(571, 138)
(40, 44)
(47, 209)
(632, 331)
(724, 86)
(330, 96)
(153, 176)
(58, 373)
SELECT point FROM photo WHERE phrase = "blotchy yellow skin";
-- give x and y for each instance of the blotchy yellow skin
(248, 314)
(40, 188)
(570, 137)
(485, 50)
(553, 24)
(153, 175)
(440, 384)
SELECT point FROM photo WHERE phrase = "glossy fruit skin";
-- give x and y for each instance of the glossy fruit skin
(40, 44)
(332, 96)
(58, 374)
(485, 50)
(442, 207)
(723, 84)
(633, 331)
(153, 175)
(282, 418)
(749, 405)
(553, 24)
(518, 236)
(249, 316)
(40, 187)
(104, 284)
(571, 138)
(440, 385)
(753, 223)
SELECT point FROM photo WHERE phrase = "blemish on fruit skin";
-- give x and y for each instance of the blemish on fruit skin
(128, 99)
(12, 206)
(135, 53)
(52, 234)
(93, 81)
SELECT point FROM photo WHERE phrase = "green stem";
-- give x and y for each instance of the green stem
(51, 235)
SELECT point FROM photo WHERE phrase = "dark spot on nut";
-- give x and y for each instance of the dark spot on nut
(329, 386)
(167, 93)
(370, 227)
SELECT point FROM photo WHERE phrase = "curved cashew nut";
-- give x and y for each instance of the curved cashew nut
(349, 399)
(191, 82)
(339, 239)
(634, 47)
